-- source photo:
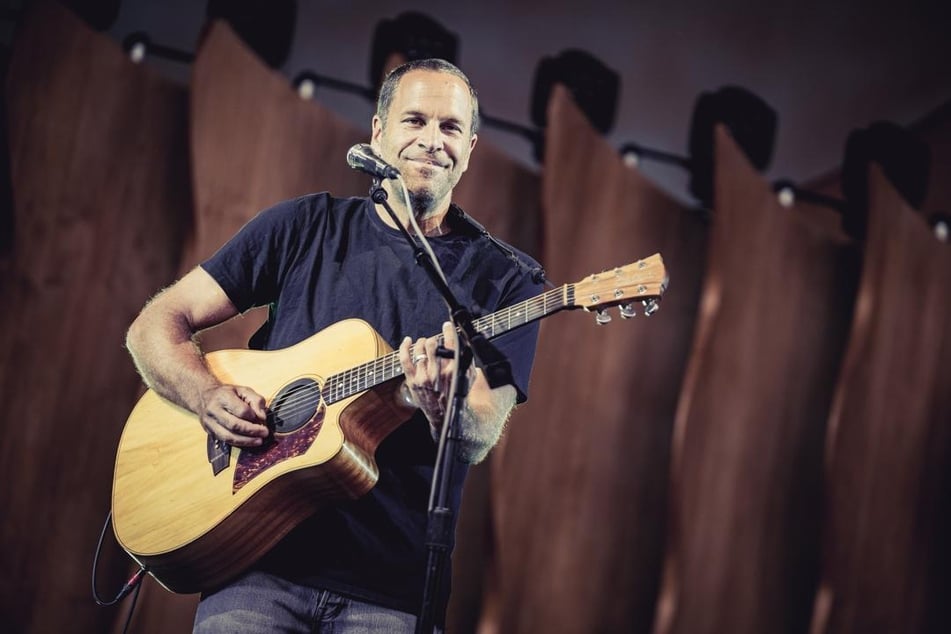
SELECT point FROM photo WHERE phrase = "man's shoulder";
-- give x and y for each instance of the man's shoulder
(320, 202)
(311, 208)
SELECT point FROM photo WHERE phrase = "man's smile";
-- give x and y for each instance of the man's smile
(431, 162)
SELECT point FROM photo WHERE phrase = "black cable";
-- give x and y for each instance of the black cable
(134, 582)
(537, 272)
(135, 599)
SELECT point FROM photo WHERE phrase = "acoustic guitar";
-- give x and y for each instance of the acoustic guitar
(196, 512)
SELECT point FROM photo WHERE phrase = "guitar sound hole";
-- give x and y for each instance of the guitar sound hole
(294, 406)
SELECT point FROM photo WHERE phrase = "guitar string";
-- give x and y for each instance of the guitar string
(336, 386)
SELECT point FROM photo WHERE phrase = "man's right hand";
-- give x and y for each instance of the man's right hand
(234, 414)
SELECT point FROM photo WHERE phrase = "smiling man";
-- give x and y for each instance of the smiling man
(314, 261)
(425, 126)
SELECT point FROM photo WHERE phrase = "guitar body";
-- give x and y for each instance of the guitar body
(194, 529)
(196, 514)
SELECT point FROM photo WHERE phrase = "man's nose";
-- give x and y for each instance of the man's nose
(431, 137)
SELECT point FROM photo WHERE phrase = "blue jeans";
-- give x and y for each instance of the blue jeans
(259, 603)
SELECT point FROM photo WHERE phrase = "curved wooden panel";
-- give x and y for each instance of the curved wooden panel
(580, 483)
(101, 202)
(254, 143)
(889, 444)
(747, 462)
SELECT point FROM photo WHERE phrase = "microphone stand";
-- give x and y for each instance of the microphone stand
(471, 344)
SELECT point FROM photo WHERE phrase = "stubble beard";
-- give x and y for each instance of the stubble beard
(421, 198)
(422, 201)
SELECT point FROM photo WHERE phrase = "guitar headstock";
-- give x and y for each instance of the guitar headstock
(643, 281)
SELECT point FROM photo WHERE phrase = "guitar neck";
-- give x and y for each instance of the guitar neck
(372, 373)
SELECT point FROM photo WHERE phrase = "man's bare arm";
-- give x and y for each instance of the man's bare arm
(161, 342)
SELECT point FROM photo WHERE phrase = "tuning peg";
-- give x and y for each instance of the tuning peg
(651, 306)
(627, 311)
(602, 317)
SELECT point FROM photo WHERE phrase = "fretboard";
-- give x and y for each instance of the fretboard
(372, 373)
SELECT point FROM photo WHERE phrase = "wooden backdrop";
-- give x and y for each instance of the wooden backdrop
(769, 452)
(579, 484)
(886, 563)
(747, 456)
(101, 189)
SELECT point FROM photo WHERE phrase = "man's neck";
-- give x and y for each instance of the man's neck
(432, 222)
(433, 225)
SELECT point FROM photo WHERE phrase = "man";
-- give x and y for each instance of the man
(315, 261)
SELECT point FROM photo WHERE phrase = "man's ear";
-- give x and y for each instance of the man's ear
(472, 144)
(376, 129)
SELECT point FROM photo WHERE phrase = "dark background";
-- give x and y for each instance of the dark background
(826, 67)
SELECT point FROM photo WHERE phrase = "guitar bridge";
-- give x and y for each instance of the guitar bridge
(219, 454)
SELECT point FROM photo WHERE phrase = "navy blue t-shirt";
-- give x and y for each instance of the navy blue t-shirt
(317, 260)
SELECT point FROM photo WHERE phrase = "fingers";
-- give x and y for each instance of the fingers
(236, 415)
(449, 336)
(424, 360)
(427, 373)
(430, 346)
(405, 355)
(254, 401)
(419, 362)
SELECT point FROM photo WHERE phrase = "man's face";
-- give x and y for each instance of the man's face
(427, 135)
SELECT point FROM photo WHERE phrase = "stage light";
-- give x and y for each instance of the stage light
(787, 193)
(940, 223)
(306, 84)
(137, 52)
(633, 153)
(139, 45)
(136, 46)
(408, 37)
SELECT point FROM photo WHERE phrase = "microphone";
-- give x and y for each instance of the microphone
(362, 157)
